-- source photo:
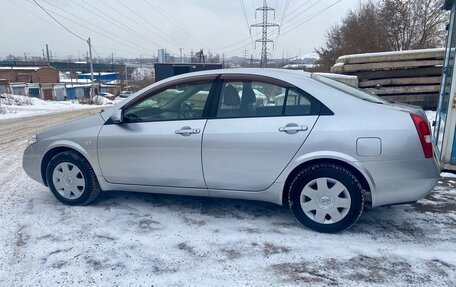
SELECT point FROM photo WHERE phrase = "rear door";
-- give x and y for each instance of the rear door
(258, 127)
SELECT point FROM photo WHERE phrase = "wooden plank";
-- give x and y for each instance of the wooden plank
(404, 90)
(415, 72)
(400, 81)
(392, 56)
(386, 65)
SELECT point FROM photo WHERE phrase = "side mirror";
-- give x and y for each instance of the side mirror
(117, 117)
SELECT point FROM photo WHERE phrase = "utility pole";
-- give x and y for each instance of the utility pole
(126, 77)
(47, 53)
(223, 60)
(202, 57)
(264, 25)
(283, 58)
(245, 55)
(92, 92)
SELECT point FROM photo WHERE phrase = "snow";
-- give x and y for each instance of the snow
(448, 174)
(380, 54)
(430, 116)
(133, 239)
(16, 106)
(337, 76)
(20, 68)
(140, 74)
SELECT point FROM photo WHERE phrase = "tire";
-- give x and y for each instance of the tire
(326, 198)
(71, 179)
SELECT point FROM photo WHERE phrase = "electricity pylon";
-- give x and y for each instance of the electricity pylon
(264, 32)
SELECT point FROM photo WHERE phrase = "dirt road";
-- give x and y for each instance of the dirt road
(143, 240)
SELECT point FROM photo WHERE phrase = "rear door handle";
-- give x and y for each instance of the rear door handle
(292, 128)
(186, 131)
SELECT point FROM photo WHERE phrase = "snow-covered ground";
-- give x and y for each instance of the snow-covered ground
(16, 106)
(128, 239)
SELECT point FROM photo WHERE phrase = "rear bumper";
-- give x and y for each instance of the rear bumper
(396, 182)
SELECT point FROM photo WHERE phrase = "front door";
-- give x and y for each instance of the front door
(159, 141)
(258, 128)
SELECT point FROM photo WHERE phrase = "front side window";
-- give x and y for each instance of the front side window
(180, 102)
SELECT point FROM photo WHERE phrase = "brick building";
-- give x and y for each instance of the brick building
(30, 74)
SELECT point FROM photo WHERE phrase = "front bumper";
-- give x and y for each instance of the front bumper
(398, 182)
(31, 163)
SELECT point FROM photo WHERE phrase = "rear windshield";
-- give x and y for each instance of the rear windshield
(360, 94)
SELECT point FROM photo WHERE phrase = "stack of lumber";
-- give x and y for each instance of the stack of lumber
(411, 77)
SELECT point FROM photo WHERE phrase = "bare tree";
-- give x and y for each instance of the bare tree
(389, 25)
(417, 24)
(360, 31)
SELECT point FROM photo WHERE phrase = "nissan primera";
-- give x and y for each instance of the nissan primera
(321, 147)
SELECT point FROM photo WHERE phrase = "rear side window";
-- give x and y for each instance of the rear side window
(300, 104)
(249, 99)
(260, 99)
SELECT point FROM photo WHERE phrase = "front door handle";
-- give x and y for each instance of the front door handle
(186, 131)
(292, 128)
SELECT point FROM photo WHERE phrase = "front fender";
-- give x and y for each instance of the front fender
(86, 149)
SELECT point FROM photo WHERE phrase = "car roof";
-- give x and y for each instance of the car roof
(268, 72)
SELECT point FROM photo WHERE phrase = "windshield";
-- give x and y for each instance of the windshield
(358, 93)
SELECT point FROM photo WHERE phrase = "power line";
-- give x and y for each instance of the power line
(58, 22)
(123, 27)
(311, 6)
(310, 18)
(96, 32)
(150, 23)
(245, 14)
(242, 43)
(174, 22)
(297, 9)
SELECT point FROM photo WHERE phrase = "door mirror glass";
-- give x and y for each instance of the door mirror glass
(117, 117)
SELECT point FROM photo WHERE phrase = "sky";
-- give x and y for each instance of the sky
(137, 28)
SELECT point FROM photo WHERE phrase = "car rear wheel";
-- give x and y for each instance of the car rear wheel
(326, 198)
(71, 179)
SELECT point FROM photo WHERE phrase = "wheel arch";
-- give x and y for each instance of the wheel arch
(53, 151)
(363, 178)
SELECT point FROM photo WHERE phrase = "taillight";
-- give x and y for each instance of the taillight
(424, 133)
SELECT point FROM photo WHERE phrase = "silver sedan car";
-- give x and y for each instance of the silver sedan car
(321, 147)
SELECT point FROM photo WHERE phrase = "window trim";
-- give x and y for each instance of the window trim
(212, 79)
(323, 110)
(167, 85)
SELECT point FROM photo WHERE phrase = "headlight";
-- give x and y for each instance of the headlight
(31, 141)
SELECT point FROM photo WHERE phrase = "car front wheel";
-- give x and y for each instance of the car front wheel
(71, 179)
(326, 198)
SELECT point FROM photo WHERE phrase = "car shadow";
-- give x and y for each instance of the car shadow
(382, 222)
